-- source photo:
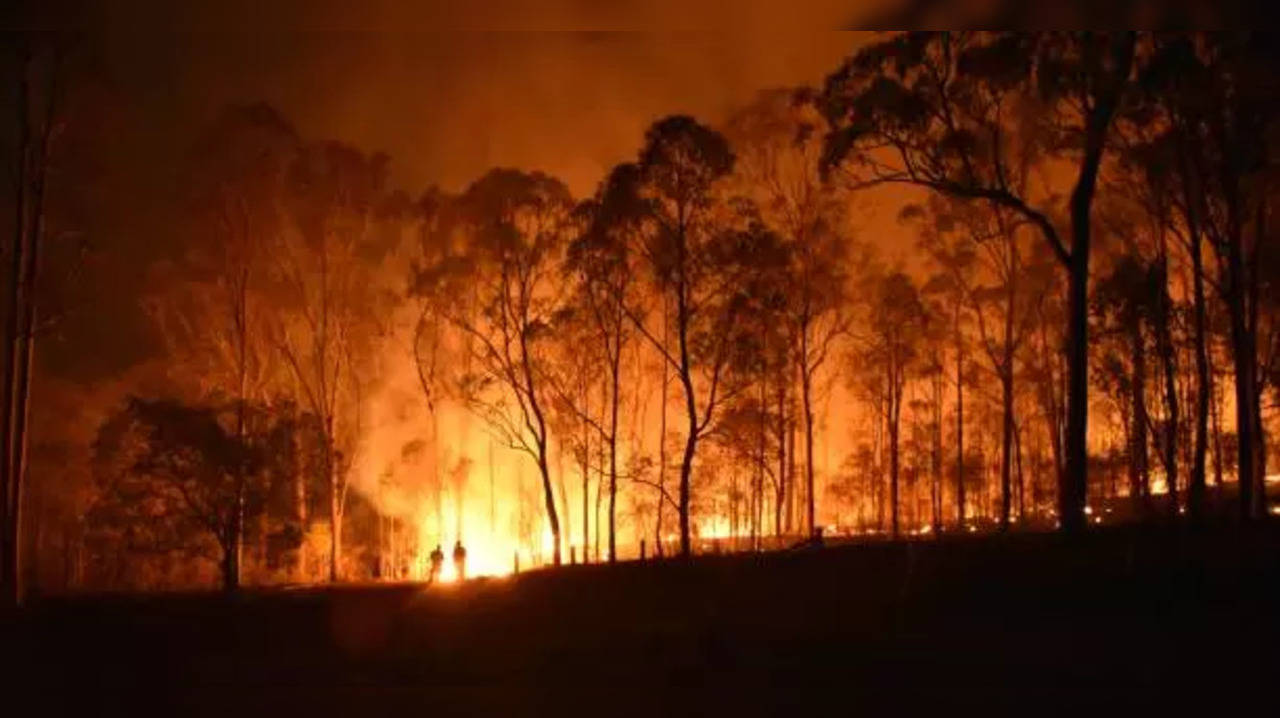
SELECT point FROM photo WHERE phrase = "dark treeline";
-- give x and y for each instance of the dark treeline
(1073, 319)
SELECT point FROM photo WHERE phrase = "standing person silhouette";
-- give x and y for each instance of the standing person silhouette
(460, 560)
(437, 561)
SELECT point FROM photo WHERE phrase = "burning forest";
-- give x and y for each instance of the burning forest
(918, 291)
(717, 347)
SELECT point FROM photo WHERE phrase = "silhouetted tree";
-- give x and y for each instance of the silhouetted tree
(180, 468)
(896, 327)
(1123, 301)
(42, 74)
(1000, 289)
(602, 262)
(954, 258)
(679, 167)
(325, 301)
(1218, 99)
(935, 110)
(760, 356)
(516, 226)
(779, 144)
(214, 320)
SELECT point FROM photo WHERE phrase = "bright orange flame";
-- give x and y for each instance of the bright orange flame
(487, 555)
(490, 552)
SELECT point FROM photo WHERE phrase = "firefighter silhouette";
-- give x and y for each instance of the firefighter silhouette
(459, 560)
(437, 561)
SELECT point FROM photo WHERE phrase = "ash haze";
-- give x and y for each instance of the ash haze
(448, 105)
(445, 106)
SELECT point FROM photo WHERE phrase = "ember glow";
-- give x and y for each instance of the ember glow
(644, 356)
(318, 306)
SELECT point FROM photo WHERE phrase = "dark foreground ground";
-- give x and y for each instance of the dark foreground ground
(1122, 619)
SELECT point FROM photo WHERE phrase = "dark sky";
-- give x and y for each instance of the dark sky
(445, 98)
(448, 105)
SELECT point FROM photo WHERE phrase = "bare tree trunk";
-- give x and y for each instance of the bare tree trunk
(31, 219)
(1244, 356)
(241, 318)
(548, 499)
(614, 394)
(895, 405)
(882, 449)
(1259, 429)
(300, 500)
(791, 478)
(1017, 454)
(1138, 447)
(936, 489)
(1006, 444)
(1168, 357)
(1073, 492)
(586, 508)
(691, 413)
(601, 457)
(335, 516)
(22, 412)
(662, 444)
(806, 390)
(757, 517)
(1215, 417)
(781, 435)
(9, 554)
(1196, 490)
(1260, 461)
(684, 498)
(960, 508)
(1006, 386)
(585, 466)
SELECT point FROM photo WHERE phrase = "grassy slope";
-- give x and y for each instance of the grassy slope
(1021, 623)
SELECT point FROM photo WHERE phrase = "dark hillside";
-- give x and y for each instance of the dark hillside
(1022, 623)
